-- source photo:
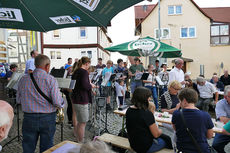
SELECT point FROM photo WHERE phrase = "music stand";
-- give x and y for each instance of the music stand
(145, 76)
(101, 102)
(65, 83)
(59, 73)
(113, 77)
(13, 85)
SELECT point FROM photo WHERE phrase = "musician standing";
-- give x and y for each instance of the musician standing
(30, 63)
(108, 85)
(39, 114)
(81, 96)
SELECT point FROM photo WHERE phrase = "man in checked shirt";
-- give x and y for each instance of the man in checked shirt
(39, 114)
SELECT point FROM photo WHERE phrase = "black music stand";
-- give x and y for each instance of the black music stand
(113, 77)
(101, 102)
(144, 76)
(58, 73)
(19, 137)
(12, 86)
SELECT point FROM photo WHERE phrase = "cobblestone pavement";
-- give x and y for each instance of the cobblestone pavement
(114, 126)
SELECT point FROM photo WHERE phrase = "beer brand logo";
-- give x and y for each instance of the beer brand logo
(76, 18)
(62, 20)
(10, 14)
(88, 4)
(145, 47)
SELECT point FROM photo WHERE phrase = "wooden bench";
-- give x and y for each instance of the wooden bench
(122, 142)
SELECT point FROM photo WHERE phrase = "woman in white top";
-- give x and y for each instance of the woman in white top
(150, 83)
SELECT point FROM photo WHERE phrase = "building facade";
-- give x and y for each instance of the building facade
(201, 33)
(62, 44)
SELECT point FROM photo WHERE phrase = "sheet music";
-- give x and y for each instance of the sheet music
(159, 81)
(63, 83)
(13, 83)
(118, 75)
(99, 71)
(91, 75)
(72, 84)
(68, 148)
(138, 75)
(106, 78)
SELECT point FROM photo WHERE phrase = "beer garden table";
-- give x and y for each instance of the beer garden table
(64, 147)
(162, 119)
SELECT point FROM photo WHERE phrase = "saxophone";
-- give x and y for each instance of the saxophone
(60, 115)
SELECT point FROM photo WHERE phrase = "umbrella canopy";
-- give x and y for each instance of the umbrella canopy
(146, 47)
(46, 15)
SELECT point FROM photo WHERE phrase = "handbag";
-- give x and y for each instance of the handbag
(212, 150)
(60, 111)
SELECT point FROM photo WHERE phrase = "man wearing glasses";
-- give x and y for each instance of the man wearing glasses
(206, 90)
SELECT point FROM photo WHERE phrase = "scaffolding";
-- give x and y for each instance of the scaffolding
(19, 44)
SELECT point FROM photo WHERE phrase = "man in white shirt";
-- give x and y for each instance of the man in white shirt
(30, 67)
(177, 73)
(206, 90)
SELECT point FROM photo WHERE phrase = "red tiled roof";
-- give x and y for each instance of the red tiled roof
(140, 13)
(218, 14)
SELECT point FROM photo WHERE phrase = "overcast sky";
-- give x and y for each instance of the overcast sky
(123, 25)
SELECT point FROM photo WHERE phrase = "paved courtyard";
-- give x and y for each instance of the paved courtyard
(114, 126)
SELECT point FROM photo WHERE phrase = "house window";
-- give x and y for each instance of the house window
(174, 9)
(188, 32)
(82, 32)
(220, 34)
(145, 7)
(58, 55)
(89, 54)
(165, 33)
(52, 54)
(83, 53)
(56, 34)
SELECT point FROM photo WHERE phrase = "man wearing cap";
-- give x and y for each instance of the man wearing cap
(134, 70)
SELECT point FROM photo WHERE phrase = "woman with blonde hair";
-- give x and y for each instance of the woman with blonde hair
(82, 95)
(169, 101)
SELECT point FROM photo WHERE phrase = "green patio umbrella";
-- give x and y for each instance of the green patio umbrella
(146, 47)
(46, 15)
